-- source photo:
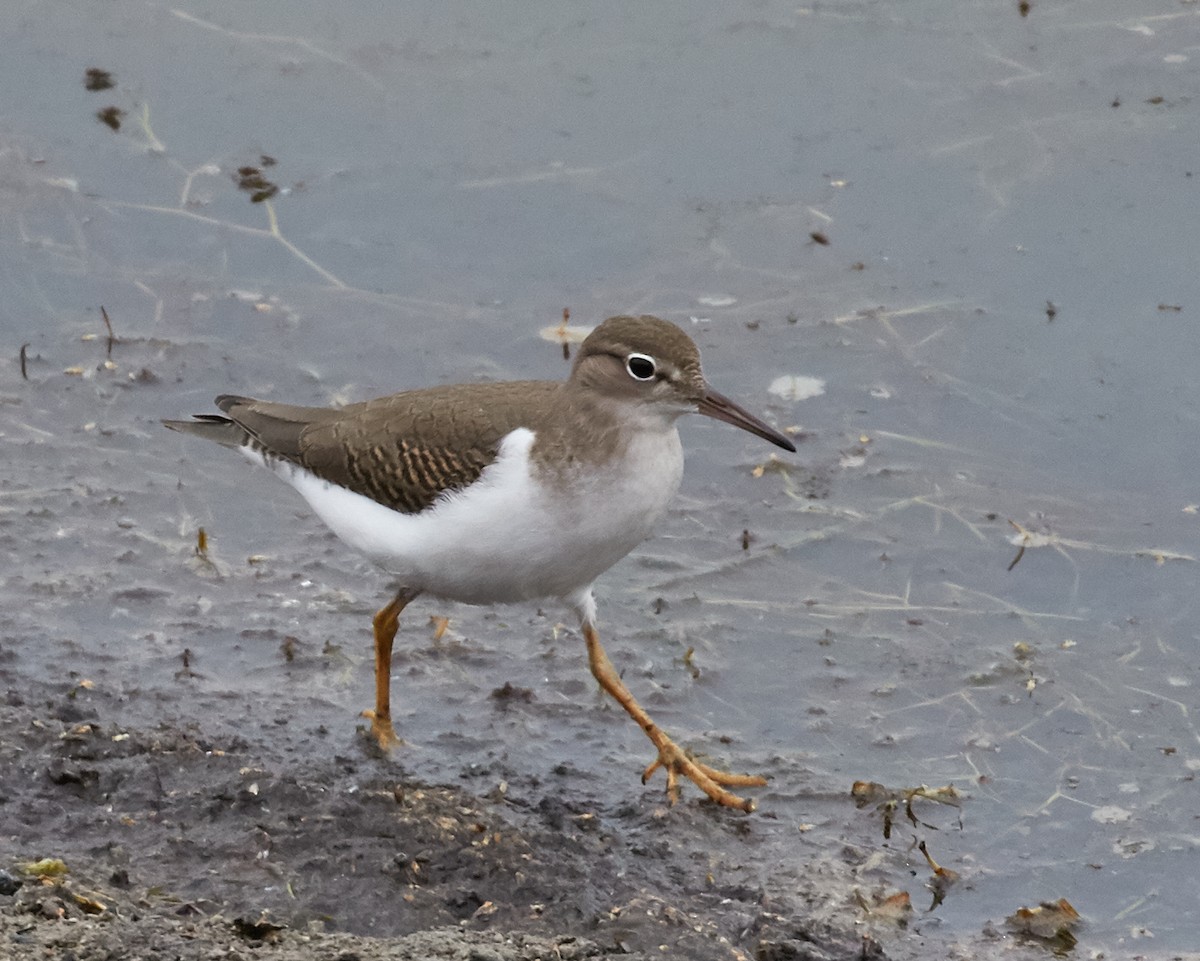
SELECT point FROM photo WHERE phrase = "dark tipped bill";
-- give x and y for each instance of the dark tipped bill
(720, 407)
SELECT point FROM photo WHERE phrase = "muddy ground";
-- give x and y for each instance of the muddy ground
(176, 847)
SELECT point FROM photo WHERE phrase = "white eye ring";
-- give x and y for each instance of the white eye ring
(641, 367)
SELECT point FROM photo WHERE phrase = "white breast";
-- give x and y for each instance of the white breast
(509, 537)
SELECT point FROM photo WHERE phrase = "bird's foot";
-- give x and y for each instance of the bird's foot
(382, 731)
(675, 761)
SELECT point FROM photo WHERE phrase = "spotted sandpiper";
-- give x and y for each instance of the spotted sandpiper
(504, 492)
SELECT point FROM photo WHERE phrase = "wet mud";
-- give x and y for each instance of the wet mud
(160, 843)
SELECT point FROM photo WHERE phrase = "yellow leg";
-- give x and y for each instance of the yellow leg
(671, 758)
(386, 622)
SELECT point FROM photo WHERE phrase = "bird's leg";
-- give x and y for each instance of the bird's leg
(671, 758)
(386, 622)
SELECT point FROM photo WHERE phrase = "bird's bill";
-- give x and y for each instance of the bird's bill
(720, 407)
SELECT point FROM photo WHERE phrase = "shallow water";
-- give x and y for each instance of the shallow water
(1002, 316)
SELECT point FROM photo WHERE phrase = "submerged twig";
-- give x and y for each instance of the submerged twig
(562, 332)
(112, 338)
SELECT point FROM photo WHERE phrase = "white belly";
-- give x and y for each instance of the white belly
(508, 537)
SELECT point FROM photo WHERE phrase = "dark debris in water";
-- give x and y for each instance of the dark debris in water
(252, 180)
(1052, 922)
(111, 117)
(94, 78)
(509, 693)
(887, 801)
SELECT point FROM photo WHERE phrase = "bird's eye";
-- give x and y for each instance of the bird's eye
(641, 367)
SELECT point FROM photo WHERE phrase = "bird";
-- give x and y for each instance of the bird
(487, 493)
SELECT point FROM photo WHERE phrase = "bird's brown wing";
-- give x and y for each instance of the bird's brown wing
(404, 451)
